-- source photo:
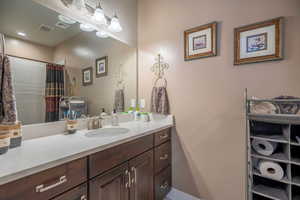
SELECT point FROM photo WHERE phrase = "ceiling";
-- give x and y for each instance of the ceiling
(125, 9)
(27, 16)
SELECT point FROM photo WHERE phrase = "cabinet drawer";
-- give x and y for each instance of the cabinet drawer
(79, 193)
(162, 156)
(107, 159)
(163, 184)
(46, 184)
(162, 136)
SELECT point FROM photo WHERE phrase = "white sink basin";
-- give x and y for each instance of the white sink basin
(107, 132)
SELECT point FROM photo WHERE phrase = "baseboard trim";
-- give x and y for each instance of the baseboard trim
(179, 195)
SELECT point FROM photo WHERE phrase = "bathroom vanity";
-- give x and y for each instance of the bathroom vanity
(77, 67)
(135, 165)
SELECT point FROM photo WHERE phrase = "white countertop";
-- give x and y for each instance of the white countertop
(43, 153)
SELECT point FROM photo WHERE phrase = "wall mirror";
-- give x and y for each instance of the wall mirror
(64, 59)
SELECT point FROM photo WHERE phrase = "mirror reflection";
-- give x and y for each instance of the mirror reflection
(61, 70)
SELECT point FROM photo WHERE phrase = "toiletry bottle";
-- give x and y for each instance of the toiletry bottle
(137, 114)
(132, 106)
(103, 114)
(114, 118)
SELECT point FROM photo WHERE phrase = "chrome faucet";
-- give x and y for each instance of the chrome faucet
(94, 123)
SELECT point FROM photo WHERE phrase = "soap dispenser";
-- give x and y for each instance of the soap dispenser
(103, 114)
(114, 118)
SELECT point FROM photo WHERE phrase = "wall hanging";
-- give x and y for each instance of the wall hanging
(159, 96)
(258, 42)
(200, 42)
(87, 76)
(101, 66)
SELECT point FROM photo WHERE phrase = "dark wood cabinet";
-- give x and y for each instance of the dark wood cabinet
(113, 185)
(163, 183)
(162, 137)
(78, 193)
(130, 181)
(162, 157)
(141, 169)
(135, 170)
(112, 157)
(162, 165)
(47, 184)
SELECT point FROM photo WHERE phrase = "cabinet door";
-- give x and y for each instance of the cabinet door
(79, 193)
(112, 185)
(141, 170)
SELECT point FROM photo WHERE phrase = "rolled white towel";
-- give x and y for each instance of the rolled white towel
(264, 147)
(271, 170)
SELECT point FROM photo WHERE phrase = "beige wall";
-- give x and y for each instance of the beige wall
(26, 49)
(82, 51)
(206, 95)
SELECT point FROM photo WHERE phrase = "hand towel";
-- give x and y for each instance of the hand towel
(262, 107)
(119, 100)
(160, 100)
(288, 108)
(8, 100)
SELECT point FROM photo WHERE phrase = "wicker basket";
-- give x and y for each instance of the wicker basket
(72, 126)
(14, 132)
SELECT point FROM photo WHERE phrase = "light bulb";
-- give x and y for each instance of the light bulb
(99, 15)
(87, 27)
(115, 25)
(102, 34)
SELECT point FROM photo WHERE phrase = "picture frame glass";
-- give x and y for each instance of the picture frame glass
(200, 42)
(258, 42)
(101, 66)
(87, 76)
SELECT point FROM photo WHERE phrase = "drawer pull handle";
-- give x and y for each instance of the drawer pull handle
(165, 157)
(83, 197)
(165, 136)
(41, 188)
(135, 175)
(128, 183)
(164, 186)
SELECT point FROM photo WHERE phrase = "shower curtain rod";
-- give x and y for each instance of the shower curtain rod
(41, 61)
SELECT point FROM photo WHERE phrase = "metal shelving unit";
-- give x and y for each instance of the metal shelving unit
(285, 129)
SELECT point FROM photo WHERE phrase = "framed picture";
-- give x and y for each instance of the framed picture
(258, 42)
(200, 42)
(87, 76)
(101, 66)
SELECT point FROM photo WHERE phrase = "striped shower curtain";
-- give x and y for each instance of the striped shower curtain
(54, 91)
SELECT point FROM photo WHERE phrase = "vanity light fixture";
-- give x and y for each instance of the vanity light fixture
(115, 25)
(87, 27)
(99, 16)
(95, 14)
(22, 34)
(102, 34)
(66, 19)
